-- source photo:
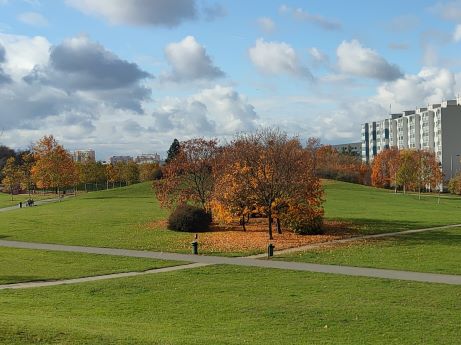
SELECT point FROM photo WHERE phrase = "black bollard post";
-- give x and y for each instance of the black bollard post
(195, 245)
(20, 204)
(270, 250)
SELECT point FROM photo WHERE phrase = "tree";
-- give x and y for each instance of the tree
(12, 176)
(5, 153)
(384, 168)
(408, 172)
(273, 174)
(53, 167)
(188, 176)
(27, 162)
(173, 151)
(149, 172)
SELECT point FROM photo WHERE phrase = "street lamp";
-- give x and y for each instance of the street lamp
(451, 164)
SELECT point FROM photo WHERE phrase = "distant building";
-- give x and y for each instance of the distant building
(354, 149)
(116, 159)
(147, 158)
(434, 128)
(84, 156)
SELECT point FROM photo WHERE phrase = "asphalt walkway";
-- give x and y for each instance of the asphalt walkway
(248, 262)
(36, 203)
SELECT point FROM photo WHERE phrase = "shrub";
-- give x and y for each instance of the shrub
(157, 174)
(189, 218)
(313, 226)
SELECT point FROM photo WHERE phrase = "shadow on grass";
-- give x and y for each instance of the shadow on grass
(429, 238)
(14, 279)
(369, 226)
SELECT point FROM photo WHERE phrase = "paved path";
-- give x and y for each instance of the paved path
(249, 262)
(36, 203)
(28, 285)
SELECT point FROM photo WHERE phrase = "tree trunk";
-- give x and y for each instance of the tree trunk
(270, 227)
(279, 227)
(242, 222)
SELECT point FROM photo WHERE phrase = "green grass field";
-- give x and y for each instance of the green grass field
(234, 305)
(375, 210)
(24, 265)
(434, 251)
(118, 218)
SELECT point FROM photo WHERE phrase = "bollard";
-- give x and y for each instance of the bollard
(270, 250)
(195, 247)
(20, 204)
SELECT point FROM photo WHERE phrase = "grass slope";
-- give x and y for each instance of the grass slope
(112, 218)
(434, 251)
(24, 265)
(234, 305)
(375, 210)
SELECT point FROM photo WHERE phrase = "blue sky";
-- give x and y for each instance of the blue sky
(126, 77)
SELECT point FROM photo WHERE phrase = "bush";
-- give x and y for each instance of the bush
(157, 174)
(189, 218)
(313, 226)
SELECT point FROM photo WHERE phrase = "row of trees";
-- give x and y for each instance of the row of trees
(49, 166)
(407, 169)
(267, 172)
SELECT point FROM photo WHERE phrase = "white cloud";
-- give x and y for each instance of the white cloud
(190, 61)
(277, 58)
(169, 13)
(23, 53)
(213, 112)
(356, 60)
(318, 57)
(457, 33)
(316, 19)
(430, 85)
(33, 19)
(266, 24)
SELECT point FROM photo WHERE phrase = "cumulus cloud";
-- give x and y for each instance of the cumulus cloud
(72, 85)
(315, 19)
(33, 19)
(318, 57)
(357, 60)
(266, 24)
(216, 111)
(169, 13)
(277, 58)
(80, 65)
(189, 61)
(430, 85)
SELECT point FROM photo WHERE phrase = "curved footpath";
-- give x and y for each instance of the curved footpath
(216, 260)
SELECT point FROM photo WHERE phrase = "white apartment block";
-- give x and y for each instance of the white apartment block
(435, 128)
(148, 158)
(84, 156)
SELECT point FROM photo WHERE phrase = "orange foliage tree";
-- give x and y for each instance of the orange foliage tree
(53, 166)
(188, 175)
(384, 168)
(269, 173)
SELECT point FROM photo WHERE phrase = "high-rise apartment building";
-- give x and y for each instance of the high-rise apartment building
(435, 128)
(148, 158)
(84, 156)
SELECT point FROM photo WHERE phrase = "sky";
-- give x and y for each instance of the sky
(126, 77)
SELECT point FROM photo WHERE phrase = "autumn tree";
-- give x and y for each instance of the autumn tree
(188, 176)
(53, 167)
(129, 172)
(27, 162)
(272, 173)
(12, 176)
(149, 172)
(91, 173)
(384, 168)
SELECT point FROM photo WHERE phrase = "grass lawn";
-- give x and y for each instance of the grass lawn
(23, 265)
(372, 210)
(5, 199)
(112, 218)
(130, 217)
(234, 305)
(433, 251)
